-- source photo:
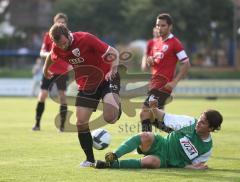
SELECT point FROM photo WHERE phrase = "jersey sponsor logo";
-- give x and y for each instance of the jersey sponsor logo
(76, 61)
(158, 55)
(165, 48)
(76, 52)
(189, 149)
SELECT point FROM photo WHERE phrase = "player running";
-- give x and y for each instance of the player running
(95, 66)
(59, 72)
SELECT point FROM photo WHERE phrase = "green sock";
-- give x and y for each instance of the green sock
(128, 146)
(129, 163)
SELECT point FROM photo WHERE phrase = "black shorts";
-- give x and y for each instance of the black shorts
(60, 80)
(91, 99)
(162, 98)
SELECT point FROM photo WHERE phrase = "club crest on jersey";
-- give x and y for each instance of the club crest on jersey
(76, 52)
(165, 48)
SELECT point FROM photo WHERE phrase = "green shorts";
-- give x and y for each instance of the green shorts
(159, 149)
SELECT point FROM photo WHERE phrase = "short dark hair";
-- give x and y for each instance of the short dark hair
(59, 16)
(214, 119)
(57, 30)
(167, 17)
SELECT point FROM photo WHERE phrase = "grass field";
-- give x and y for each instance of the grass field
(52, 156)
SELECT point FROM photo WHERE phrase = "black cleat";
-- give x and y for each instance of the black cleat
(110, 157)
(101, 164)
(36, 128)
(61, 129)
(119, 111)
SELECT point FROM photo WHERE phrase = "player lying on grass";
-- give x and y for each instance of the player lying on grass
(188, 146)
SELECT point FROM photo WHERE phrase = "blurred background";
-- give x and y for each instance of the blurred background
(209, 30)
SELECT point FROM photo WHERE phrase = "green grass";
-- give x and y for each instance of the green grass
(52, 156)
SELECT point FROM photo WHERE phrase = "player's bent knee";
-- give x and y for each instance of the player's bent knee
(144, 114)
(110, 118)
(82, 125)
(150, 162)
(147, 137)
(111, 115)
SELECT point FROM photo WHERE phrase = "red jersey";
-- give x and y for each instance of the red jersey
(166, 54)
(150, 44)
(86, 55)
(56, 69)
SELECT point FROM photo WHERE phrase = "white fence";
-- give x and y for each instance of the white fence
(191, 88)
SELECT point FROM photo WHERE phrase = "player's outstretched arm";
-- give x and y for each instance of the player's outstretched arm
(47, 64)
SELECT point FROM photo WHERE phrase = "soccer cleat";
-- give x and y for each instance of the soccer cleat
(110, 156)
(119, 110)
(61, 129)
(102, 164)
(87, 164)
(36, 128)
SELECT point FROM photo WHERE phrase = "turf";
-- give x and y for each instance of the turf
(52, 156)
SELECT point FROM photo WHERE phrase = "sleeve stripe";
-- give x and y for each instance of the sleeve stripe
(106, 51)
(203, 157)
(181, 55)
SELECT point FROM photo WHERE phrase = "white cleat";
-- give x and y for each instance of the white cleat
(87, 164)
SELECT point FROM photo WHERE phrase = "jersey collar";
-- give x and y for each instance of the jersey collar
(208, 139)
(72, 38)
(169, 37)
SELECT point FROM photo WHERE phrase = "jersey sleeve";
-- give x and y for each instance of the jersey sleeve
(46, 45)
(149, 47)
(202, 158)
(176, 122)
(179, 50)
(99, 46)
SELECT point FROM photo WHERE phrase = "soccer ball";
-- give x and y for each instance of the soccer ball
(101, 139)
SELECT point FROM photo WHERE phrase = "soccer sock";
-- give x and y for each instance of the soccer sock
(128, 146)
(146, 125)
(129, 163)
(63, 114)
(85, 140)
(39, 111)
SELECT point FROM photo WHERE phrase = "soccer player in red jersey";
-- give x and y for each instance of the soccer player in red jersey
(95, 67)
(166, 52)
(149, 47)
(46, 84)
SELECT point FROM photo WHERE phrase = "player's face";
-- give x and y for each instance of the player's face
(163, 28)
(202, 124)
(61, 21)
(63, 43)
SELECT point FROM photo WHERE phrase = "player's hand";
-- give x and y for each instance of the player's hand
(111, 74)
(153, 102)
(197, 166)
(48, 74)
(150, 61)
(170, 85)
(200, 166)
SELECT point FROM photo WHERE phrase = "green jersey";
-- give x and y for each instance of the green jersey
(181, 147)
